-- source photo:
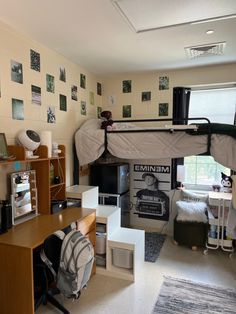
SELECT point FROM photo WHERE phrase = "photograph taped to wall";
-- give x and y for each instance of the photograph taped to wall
(83, 108)
(51, 117)
(3, 146)
(50, 83)
(126, 111)
(163, 109)
(74, 90)
(127, 86)
(82, 81)
(16, 72)
(163, 82)
(151, 186)
(34, 60)
(17, 109)
(36, 94)
(63, 102)
(91, 98)
(62, 75)
(146, 96)
(99, 88)
(99, 110)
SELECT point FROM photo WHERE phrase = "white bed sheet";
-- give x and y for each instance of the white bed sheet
(89, 140)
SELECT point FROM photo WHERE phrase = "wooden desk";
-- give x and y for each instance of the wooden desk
(16, 255)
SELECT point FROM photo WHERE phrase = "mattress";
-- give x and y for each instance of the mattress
(90, 144)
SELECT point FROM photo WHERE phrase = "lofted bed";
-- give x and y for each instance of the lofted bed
(136, 139)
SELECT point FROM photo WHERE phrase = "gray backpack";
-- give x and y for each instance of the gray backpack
(76, 262)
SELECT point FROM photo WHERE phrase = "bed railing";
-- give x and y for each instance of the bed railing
(170, 128)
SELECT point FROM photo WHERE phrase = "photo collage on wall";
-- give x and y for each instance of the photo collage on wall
(151, 187)
(146, 96)
(17, 105)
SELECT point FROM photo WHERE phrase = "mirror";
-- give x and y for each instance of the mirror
(24, 195)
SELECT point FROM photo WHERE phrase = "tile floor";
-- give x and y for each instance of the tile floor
(107, 295)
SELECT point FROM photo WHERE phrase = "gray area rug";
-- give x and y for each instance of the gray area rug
(179, 296)
(153, 244)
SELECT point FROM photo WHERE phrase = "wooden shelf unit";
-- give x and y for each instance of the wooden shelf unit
(46, 190)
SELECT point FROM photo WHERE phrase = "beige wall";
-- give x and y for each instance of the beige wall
(149, 81)
(15, 46)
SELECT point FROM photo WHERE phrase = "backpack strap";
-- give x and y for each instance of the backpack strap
(77, 257)
(61, 235)
(67, 240)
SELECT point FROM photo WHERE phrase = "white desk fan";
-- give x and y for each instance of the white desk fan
(30, 140)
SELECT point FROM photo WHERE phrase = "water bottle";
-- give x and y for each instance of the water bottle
(6, 216)
(212, 233)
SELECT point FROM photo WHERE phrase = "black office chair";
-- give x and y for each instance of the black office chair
(45, 275)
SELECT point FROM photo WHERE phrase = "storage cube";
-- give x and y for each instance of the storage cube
(101, 243)
(122, 258)
(190, 233)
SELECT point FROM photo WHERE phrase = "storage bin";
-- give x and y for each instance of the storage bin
(122, 258)
(101, 228)
(101, 243)
(100, 260)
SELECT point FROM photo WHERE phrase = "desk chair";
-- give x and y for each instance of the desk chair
(51, 249)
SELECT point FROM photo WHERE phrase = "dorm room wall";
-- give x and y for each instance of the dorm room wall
(114, 99)
(16, 47)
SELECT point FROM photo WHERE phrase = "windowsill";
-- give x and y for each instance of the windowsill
(201, 189)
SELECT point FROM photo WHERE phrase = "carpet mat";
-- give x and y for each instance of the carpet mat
(153, 244)
(180, 296)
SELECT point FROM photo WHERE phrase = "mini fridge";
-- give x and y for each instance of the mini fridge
(113, 180)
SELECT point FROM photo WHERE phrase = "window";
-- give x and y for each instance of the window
(218, 105)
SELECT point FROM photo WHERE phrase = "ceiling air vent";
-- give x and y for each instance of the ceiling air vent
(215, 49)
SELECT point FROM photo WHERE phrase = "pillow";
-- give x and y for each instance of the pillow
(191, 211)
(191, 196)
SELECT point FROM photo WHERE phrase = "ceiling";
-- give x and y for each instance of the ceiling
(110, 37)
